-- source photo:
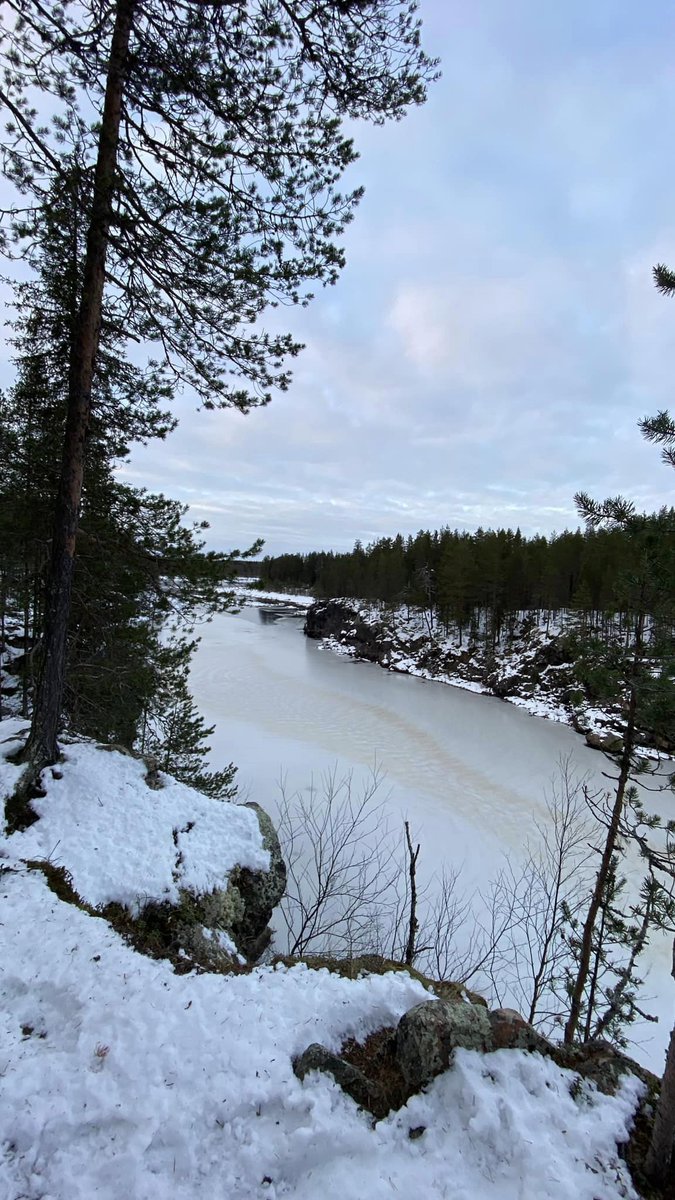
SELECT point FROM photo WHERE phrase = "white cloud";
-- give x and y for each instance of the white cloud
(479, 333)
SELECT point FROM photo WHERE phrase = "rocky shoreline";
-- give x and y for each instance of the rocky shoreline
(530, 666)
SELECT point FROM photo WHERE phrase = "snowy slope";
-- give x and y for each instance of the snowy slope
(256, 596)
(121, 840)
(119, 1078)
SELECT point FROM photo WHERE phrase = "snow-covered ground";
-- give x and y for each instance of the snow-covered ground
(120, 1078)
(123, 841)
(246, 594)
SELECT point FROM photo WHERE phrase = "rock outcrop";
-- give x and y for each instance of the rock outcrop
(429, 1034)
(339, 620)
(382, 1073)
(232, 923)
(510, 1031)
(259, 892)
(531, 665)
(212, 930)
(610, 743)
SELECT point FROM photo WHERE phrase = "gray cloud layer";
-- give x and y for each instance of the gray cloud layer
(496, 335)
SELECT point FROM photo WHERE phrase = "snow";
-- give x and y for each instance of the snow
(258, 596)
(120, 1078)
(123, 841)
(411, 639)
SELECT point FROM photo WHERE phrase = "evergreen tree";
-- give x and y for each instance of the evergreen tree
(211, 191)
(661, 429)
(647, 596)
(138, 563)
(171, 729)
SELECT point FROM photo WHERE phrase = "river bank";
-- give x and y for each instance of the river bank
(530, 664)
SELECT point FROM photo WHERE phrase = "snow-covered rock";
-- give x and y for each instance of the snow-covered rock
(430, 1033)
(530, 665)
(196, 874)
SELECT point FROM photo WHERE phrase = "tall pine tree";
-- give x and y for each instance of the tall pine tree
(212, 172)
(138, 562)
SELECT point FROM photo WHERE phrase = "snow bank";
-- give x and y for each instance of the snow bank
(256, 595)
(120, 1078)
(121, 840)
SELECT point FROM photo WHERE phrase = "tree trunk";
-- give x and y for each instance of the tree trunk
(25, 678)
(3, 645)
(42, 748)
(610, 844)
(412, 912)
(660, 1153)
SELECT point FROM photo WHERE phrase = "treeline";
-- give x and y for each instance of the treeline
(452, 574)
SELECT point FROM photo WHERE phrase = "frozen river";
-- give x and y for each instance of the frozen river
(469, 771)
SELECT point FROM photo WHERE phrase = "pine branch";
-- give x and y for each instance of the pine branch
(664, 278)
(661, 429)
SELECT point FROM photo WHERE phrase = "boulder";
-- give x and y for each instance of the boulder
(511, 1031)
(259, 893)
(348, 1077)
(428, 1035)
(328, 618)
(611, 743)
(213, 930)
(338, 619)
(507, 685)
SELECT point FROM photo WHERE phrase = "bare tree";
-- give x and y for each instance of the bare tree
(354, 889)
(443, 952)
(548, 891)
(342, 866)
(413, 923)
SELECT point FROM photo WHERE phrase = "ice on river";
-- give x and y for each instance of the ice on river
(470, 772)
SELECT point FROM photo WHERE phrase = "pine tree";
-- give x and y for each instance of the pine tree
(211, 191)
(138, 562)
(661, 429)
(646, 594)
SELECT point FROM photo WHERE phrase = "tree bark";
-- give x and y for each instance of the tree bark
(412, 914)
(660, 1153)
(42, 747)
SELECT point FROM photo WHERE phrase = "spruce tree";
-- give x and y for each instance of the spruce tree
(172, 731)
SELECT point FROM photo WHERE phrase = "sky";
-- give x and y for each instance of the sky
(496, 335)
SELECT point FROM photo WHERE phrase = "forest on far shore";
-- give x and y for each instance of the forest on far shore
(453, 573)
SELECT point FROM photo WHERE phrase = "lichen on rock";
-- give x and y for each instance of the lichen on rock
(429, 1034)
(258, 892)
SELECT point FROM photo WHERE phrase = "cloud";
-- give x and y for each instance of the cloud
(479, 334)
(495, 336)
